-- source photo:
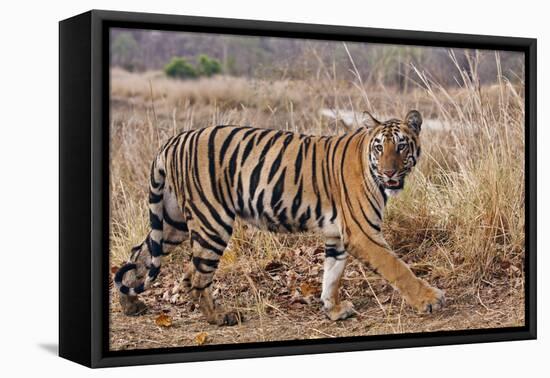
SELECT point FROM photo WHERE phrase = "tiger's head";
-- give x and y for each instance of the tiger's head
(393, 149)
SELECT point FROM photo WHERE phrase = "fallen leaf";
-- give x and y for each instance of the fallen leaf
(163, 321)
(201, 338)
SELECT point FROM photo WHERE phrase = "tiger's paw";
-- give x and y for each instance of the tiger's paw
(229, 318)
(132, 306)
(341, 311)
(431, 300)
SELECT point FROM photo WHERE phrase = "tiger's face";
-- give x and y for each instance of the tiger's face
(393, 150)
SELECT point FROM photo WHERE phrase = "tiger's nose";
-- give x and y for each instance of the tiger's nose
(389, 172)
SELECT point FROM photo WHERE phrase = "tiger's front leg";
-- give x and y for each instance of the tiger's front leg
(335, 263)
(418, 293)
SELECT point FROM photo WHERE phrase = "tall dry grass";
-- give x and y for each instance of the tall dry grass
(459, 222)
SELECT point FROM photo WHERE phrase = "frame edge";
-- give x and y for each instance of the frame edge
(74, 189)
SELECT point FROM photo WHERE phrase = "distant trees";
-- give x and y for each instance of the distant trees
(125, 51)
(180, 68)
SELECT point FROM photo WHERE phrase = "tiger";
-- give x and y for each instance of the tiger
(202, 180)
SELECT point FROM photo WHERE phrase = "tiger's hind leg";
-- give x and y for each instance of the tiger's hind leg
(141, 258)
(335, 263)
(208, 248)
(174, 232)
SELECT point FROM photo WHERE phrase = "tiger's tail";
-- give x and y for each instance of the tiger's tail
(154, 240)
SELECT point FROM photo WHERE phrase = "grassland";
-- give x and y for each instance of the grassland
(459, 223)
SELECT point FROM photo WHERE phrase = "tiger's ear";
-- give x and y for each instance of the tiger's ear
(413, 119)
(369, 121)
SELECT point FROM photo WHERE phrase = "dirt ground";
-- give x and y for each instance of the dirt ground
(280, 301)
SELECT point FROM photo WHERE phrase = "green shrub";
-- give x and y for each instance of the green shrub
(208, 66)
(180, 68)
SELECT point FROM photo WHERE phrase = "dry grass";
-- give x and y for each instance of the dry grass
(459, 223)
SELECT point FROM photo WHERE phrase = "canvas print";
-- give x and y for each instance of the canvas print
(273, 189)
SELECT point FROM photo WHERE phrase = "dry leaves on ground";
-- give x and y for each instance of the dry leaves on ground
(163, 321)
(201, 338)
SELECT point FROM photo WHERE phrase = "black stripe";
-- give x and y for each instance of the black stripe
(180, 226)
(374, 207)
(321, 222)
(246, 134)
(251, 211)
(260, 203)
(334, 151)
(156, 248)
(212, 162)
(282, 217)
(195, 236)
(333, 252)
(247, 150)
(153, 272)
(303, 219)
(227, 142)
(298, 164)
(256, 172)
(140, 288)
(119, 275)
(262, 135)
(153, 183)
(278, 189)
(203, 219)
(224, 198)
(198, 261)
(233, 164)
(297, 201)
(372, 224)
(334, 211)
(215, 238)
(277, 163)
(154, 198)
(172, 242)
(154, 220)
(307, 142)
(229, 188)
(240, 200)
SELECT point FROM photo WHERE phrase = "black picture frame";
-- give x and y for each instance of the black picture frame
(83, 181)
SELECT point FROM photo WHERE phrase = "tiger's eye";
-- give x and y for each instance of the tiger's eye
(401, 147)
(378, 147)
